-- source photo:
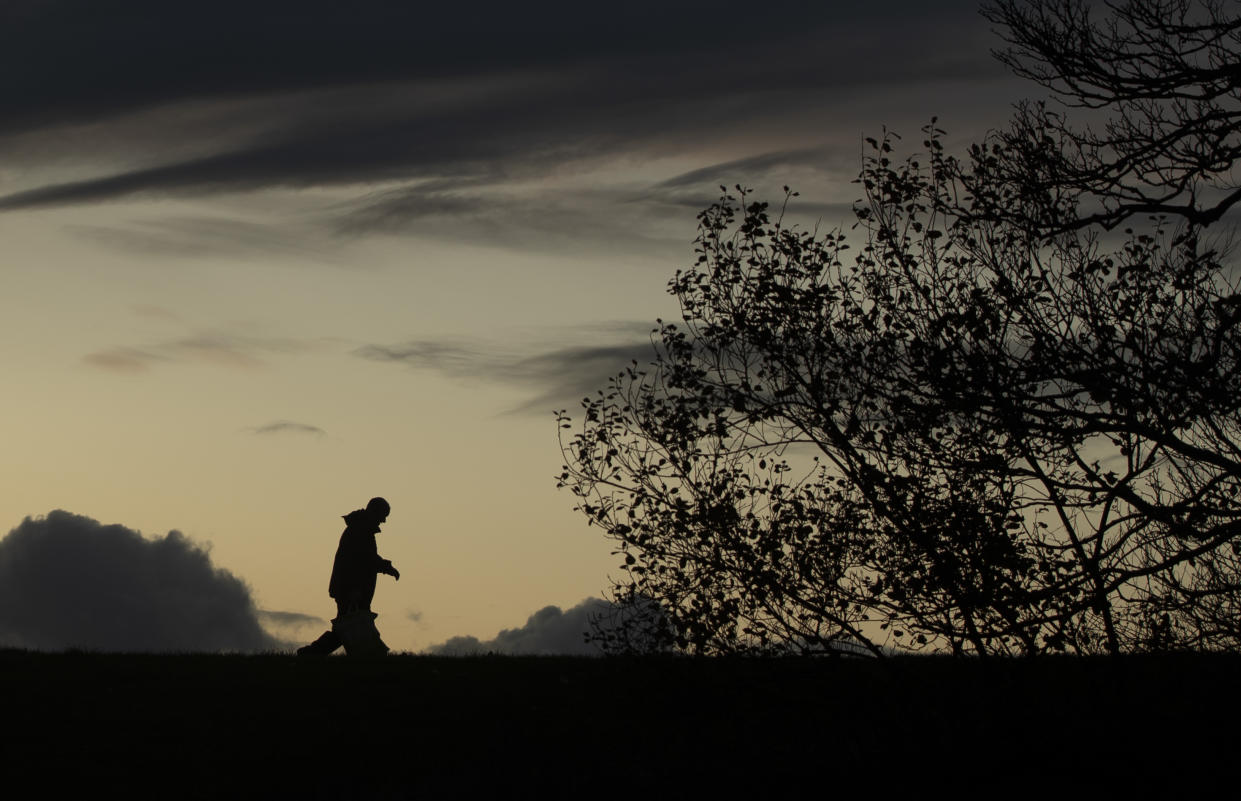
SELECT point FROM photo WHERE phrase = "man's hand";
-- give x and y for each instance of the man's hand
(390, 570)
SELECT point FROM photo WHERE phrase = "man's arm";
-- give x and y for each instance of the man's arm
(385, 567)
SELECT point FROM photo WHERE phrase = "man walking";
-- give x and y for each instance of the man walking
(354, 572)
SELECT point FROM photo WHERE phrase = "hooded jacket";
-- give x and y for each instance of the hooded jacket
(357, 560)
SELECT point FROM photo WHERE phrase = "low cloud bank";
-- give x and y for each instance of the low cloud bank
(68, 581)
(547, 632)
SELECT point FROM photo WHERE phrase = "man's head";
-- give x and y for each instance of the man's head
(378, 509)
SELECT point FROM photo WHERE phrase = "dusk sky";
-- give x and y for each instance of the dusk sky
(262, 261)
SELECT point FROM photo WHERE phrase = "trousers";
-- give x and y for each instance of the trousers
(354, 628)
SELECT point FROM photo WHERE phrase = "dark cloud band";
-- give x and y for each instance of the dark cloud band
(75, 58)
(310, 95)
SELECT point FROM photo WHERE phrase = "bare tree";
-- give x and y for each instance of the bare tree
(1159, 85)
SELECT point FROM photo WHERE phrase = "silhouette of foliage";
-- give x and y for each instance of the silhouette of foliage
(984, 431)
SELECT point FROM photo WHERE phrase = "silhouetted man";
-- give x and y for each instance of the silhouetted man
(354, 571)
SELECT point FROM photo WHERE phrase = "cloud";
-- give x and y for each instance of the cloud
(548, 218)
(803, 170)
(290, 627)
(561, 376)
(288, 427)
(123, 360)
(653, 221)
(203, 236)
(746, 170)
(547, 632)
(216, 348)
(311, 95)
(289, 618)
(82, 60)
(67, 581)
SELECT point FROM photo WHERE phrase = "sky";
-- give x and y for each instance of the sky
(264, 261)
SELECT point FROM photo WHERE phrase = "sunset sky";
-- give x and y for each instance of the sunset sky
(262, 261)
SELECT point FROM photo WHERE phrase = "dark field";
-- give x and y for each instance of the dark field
(84, 725)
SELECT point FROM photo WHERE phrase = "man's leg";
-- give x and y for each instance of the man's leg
(329, 640)
(327, 643)
(358, 633)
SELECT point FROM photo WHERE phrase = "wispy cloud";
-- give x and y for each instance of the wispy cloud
(291, 619)
(193, 237)
(560, 376)
(123, 360)
(763, 164)
(540, 218)
(287, 427)
(210, 348)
